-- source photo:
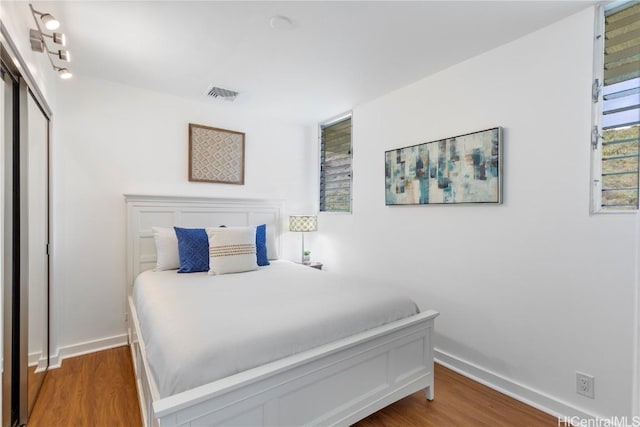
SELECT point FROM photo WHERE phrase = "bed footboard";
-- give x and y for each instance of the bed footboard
(145, 385)
(334, 384)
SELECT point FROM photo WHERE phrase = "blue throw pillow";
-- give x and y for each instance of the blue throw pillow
(193, 249)
(261, 245)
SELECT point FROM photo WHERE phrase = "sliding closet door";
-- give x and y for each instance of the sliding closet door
(24, 264)
(20, 251)
(37, 198)
(2, 206)
(24, 235)
(6, 241)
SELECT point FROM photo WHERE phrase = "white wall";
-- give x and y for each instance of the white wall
(530, 291)
(114, 139)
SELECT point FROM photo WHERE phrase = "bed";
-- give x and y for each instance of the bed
(300, 378)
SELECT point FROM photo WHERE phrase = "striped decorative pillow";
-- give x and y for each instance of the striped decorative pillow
(232, 250)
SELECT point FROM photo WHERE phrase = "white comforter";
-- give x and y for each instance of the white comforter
(199, 328)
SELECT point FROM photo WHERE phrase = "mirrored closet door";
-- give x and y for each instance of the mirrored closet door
(24, 260)
(6, 242)
(37, 209)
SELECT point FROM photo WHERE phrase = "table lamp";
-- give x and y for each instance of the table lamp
(303, 224)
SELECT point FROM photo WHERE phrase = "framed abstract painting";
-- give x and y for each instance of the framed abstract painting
(462, 169)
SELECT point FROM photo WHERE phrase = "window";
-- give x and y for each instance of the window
(335, 165)
(616, 133)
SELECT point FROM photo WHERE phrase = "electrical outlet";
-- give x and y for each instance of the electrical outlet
(585, 385)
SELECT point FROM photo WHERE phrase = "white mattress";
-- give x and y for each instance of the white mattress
(199, 328)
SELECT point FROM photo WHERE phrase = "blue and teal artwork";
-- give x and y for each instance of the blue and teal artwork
(462, 169)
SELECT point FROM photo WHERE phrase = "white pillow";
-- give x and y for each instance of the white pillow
(232, 250)
(272, 249)
(167, 257)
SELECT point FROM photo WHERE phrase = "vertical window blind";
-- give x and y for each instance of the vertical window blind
(335, 166)
(620, 120)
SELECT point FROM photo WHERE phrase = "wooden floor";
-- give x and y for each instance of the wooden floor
(458, 401)
(98, 390)
(34, 380)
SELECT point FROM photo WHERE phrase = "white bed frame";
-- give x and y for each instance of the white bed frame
(335, 384)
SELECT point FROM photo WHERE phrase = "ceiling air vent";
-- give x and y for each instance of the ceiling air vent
(218, 92)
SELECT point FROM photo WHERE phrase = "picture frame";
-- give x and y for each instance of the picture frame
(461, 169)
(216, 155)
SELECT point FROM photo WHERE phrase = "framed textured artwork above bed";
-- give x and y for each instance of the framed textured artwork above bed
(216, 155)
(461, 169)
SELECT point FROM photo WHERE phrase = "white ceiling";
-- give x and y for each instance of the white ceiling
(337, 55)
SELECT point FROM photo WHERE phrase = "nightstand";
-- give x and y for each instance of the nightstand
(316, 265)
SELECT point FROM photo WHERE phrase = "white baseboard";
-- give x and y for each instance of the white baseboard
(39, 362)
(85, 348)
(525, 394)
(34, 358)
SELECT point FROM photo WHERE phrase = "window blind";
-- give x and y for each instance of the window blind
(335, 166)
(620, 121)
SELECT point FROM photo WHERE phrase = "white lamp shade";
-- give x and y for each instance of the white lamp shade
(303, 223)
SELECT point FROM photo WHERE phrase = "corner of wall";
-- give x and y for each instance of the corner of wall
(66, 352)
(635, 395)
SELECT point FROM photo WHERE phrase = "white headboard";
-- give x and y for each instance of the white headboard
(144, 212)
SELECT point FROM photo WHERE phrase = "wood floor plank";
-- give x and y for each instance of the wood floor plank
(98, 390)
(461, 402)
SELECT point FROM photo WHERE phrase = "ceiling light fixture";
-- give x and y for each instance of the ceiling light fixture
(48, 20)
(58, 38)
(280, 22)
(63, 54)
(64, 73)
(38, 44)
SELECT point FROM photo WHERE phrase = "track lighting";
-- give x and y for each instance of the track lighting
(37, 41)
(49, 21)
(36, 38)
(58, 38)
(38, 44)
(63, 55)
(64, 73)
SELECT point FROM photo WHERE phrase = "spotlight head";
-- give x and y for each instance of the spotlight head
(64, 73)
(49, 21)
(59, 38)
(64, 55)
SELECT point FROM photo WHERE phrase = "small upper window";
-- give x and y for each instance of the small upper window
(335, 165)
(616, 133)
